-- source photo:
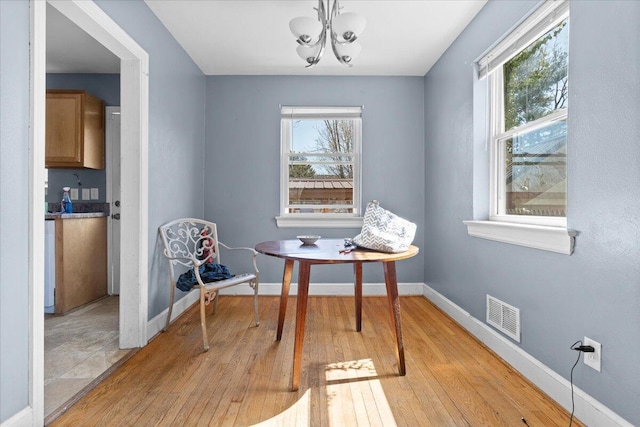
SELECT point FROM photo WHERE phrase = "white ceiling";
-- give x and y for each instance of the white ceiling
(252, 37)
(71, 50)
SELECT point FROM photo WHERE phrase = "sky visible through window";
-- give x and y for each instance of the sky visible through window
(305, 134)
(304, 140)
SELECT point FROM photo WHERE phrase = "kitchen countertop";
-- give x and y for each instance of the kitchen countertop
(56, 215)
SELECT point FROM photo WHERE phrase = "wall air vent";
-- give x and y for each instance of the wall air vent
(504, 317)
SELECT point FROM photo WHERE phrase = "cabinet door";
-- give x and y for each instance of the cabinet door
(64, 130)
(81, 261)
(75, 130)
(92, 132)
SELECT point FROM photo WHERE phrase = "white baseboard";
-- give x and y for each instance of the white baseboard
(587, 409)
(24, 418)
(326, 289)
(156, 324)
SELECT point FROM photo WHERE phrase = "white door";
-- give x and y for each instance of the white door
(112, 137)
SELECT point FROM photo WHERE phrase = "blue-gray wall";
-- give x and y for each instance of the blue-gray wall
(176, 144)
(105, 87)
(242, 186)
(14, 221)
(100, 85)
(596, 291)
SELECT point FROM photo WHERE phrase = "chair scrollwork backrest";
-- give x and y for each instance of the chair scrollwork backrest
(190, 242)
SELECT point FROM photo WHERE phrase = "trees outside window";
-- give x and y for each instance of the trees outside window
(536, 81)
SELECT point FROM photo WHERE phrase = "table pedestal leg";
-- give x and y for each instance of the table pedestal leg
(357, 269)
(284, 295)
(394, 310)
(301, 316)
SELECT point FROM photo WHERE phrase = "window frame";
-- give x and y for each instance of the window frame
(333, 220)
(540, 23)
(552, 233)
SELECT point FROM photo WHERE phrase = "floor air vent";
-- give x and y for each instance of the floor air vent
(505, 317)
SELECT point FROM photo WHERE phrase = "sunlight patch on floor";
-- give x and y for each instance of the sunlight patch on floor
(355, 395)
(295, 415)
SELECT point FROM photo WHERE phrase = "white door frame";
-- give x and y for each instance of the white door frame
(134, 99)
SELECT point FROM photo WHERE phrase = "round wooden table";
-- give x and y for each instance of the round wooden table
(328, 251)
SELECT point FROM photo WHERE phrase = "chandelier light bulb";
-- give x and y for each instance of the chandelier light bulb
(308, 53)
(348, 25)
(348, 52)
(305, 29)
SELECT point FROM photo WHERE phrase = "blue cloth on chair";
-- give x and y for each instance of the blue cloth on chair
(208, 272)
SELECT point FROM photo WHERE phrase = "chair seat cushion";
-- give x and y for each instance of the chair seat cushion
(209, 272)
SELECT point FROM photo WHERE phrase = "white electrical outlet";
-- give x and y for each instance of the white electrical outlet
(86, 194)
(594, 359)
(74, 194)
(94, 194)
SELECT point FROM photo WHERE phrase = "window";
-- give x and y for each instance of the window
(528, 129)
(320, 167)
(527, 82)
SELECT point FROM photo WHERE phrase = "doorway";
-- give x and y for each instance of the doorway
(134, 161)
(134, 166)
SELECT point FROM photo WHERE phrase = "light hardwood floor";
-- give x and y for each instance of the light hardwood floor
(347, 379)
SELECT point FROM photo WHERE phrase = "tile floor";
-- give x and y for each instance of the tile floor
(78, 348)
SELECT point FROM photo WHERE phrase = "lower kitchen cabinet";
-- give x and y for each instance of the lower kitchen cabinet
(81, 262)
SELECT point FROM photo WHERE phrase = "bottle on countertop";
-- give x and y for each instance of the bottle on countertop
(66, 206)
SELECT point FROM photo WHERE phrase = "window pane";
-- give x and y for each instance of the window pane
(318, 182)
(535, 80)
(536, 172)
(322, 136)
(321, 167)
(320, 191)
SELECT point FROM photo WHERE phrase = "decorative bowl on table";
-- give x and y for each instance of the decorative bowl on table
(308, 239)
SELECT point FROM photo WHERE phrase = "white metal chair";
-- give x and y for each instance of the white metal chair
(191, 243)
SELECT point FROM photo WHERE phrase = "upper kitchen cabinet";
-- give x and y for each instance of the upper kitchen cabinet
(75, 130)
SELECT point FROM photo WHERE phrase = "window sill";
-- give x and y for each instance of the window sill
(301, 221)
(554, 239)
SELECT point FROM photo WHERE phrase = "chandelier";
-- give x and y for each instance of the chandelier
(342, 28)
